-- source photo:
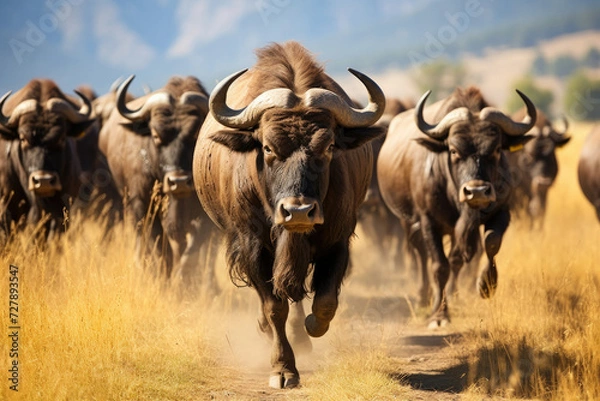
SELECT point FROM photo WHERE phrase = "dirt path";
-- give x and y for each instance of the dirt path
(432, 363)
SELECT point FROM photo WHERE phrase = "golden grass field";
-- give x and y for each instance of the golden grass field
(96, 326)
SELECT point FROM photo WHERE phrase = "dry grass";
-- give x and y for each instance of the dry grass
(95, 326)
(355, 374)
(540, 335)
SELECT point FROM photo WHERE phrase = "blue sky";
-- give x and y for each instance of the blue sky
(95, 42)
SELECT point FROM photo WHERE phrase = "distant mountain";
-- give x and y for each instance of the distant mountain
(449, 28)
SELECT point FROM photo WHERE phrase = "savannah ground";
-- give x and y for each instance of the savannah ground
(94, 325)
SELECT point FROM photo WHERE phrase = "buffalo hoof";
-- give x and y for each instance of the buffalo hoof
(313, 328)
(280, 381)
(436, 323)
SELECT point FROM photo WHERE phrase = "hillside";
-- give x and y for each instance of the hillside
(494, 71)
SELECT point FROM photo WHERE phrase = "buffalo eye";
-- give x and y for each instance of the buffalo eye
(495, 155)
(454, 153)
(154, 134)
(267, 150)
(331, 148)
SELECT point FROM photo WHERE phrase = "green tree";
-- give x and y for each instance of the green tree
(542, 98)
(582, 97)
(441, 77)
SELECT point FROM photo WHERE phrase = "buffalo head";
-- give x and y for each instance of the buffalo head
(473, 140)
(537, 164)
(295, 138)
(172, 118)
(539, 157)
(42, 126)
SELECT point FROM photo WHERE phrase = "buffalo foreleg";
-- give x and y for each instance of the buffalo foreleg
(327, 280)
(492, 239)
(272, 320)
(441, 272)
(418, 252)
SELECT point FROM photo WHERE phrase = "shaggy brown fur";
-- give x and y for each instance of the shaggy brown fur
(470, 98)
(243, 176)
(38, 141)
(534, 168)
(588, 167)
(177, 86)
(421, 180)
(148, 151)
(287, 66)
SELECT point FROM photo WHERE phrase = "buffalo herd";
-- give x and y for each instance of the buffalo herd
(281, 164)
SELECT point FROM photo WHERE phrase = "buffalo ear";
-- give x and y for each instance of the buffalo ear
(7, 133)
(432, 144)
(140, 128)
(352, 138)
(514, 143)
(238, 141)
(78, 130)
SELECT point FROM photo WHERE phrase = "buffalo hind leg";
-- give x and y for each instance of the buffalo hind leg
(298, 336)
(327, 279)
(492, 239)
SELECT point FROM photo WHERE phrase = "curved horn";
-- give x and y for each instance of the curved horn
(509, 126)
(250, 115)
(440, 130)
(195, 98)
(4, 119)
(560, 137)
(142, 112)
(26, 106)
(115, 85)
(86, 105)
(69, 111)
(346, 115)
(565, 126)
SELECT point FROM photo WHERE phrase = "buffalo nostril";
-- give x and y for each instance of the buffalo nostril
(312, 211)
(284, 212)
(468, 192)
(53, 181)
(488, 191)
